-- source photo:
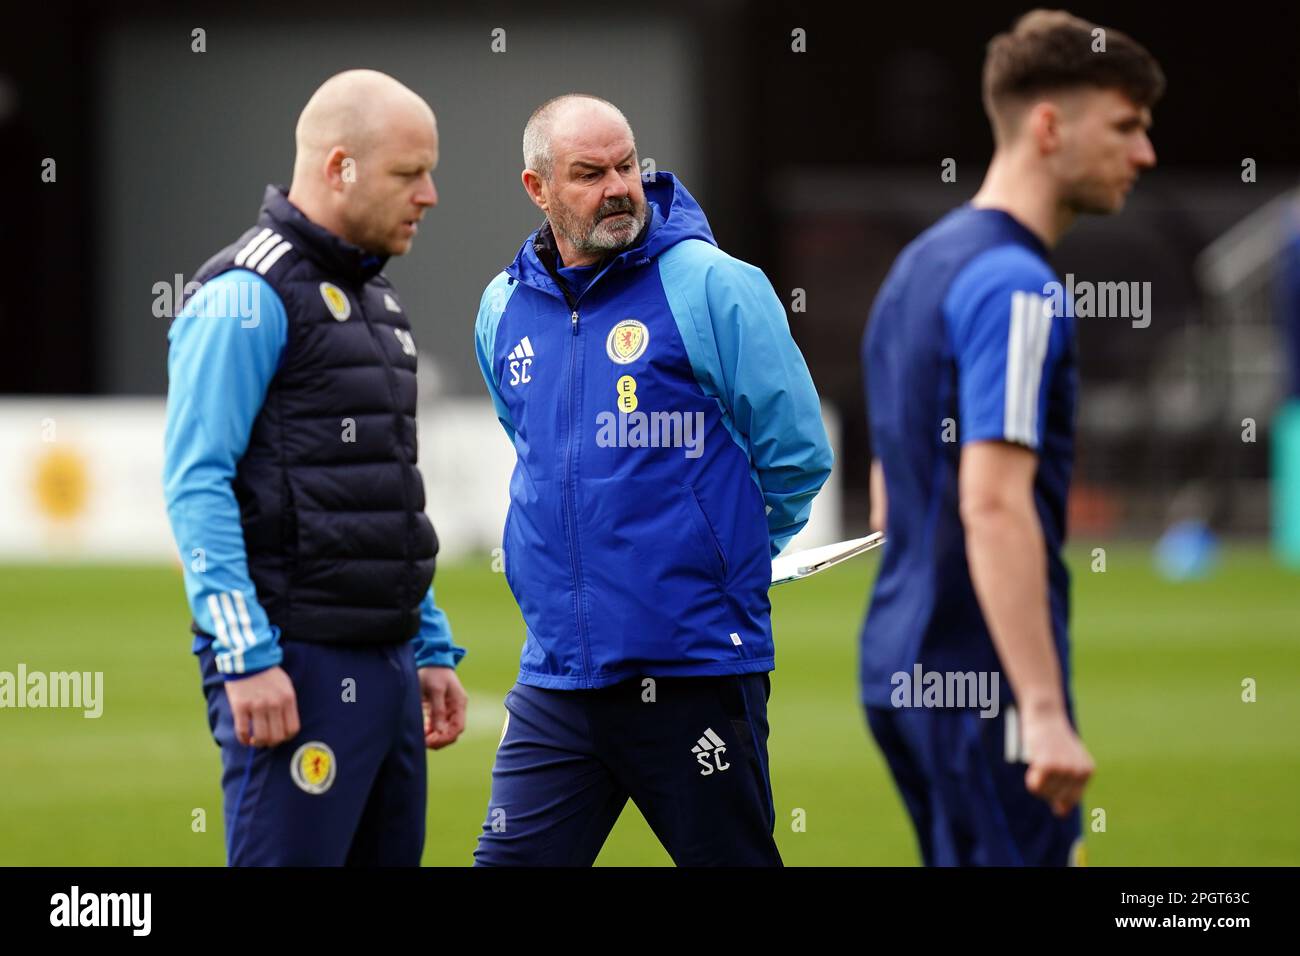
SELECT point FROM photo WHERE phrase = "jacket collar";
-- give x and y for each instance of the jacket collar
(333, 254)
(548, 253)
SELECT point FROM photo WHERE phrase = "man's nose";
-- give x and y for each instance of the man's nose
(428, 194)
(1146, 153)
(615, 186)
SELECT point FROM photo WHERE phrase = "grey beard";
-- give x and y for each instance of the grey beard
(592, 242)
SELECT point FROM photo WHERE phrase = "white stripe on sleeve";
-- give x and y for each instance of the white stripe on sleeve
(244, 620)
(232, 622)
(1027, 338)
(218, 623)
(1040, 322)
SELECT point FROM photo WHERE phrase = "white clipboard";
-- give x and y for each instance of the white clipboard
(802, 564)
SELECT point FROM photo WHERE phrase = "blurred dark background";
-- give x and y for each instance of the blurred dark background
(817, 166)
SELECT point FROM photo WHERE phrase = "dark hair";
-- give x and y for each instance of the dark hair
(1048, 50)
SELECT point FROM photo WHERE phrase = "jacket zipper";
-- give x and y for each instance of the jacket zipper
(571, 503)
(400, 418)
(569, 481)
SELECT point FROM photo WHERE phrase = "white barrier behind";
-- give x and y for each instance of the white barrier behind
(81, 479)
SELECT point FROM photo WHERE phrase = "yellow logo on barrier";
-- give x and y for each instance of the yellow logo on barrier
(61, 484)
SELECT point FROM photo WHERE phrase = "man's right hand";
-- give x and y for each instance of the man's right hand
(265, 708)
(1008, 567)
(1059, 764)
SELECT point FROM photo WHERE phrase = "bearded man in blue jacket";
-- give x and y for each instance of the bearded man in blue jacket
(670, 444)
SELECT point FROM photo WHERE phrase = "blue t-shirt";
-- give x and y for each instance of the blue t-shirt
(968, 340)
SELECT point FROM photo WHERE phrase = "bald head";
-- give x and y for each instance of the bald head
(353, 110)
(568, 122)
(367, 148)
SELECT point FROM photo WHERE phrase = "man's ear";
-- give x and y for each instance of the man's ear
(535, 187)
(1044, 122)
(334, 168)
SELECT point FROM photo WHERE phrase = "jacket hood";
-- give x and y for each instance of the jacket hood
(674, 216)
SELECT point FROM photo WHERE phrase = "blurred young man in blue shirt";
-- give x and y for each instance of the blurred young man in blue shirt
(971, 379)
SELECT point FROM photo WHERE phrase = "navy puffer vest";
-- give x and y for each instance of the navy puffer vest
(331, 501)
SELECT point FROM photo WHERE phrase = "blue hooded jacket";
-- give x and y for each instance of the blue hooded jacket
(669, 441)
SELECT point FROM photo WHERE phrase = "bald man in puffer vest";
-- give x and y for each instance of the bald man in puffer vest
(298, 510)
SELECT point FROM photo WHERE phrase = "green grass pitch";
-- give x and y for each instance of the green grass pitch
(1188, 773)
